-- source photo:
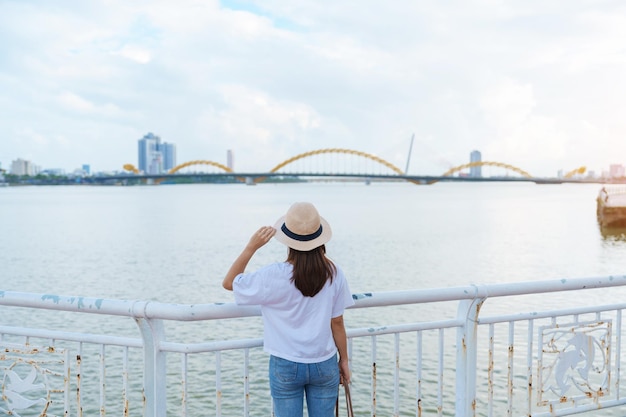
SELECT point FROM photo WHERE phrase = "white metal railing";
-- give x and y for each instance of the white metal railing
(608, 191)
(615, 189)
(439, 353)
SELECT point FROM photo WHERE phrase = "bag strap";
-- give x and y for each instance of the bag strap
(348, 403)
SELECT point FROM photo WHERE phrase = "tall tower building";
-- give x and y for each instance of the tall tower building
(155, 157)
(149, 157)
(476, 171)
(230, 159)
(169, 155)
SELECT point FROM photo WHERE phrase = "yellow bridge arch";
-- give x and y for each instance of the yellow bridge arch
(577, 171)
(199, 162)
(132, 168)
(340, 151)
(483, 163)
(486, 163)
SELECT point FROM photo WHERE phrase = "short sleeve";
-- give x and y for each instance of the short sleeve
(249, 289)
(343, 296)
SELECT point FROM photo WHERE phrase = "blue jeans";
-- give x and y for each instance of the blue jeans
(289, 381)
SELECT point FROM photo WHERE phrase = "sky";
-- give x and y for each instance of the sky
(540, 85)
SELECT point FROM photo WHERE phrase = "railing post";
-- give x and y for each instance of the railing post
(466, 356)
(154, 374)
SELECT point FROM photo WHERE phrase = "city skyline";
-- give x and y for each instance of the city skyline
(536, 85)
(152, 153)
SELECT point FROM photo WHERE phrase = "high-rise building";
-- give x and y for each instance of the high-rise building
(230, 159)
(169, 155)
(475, 171)
(22, 167)
(155, 157)
(616, 171)
(147, 153)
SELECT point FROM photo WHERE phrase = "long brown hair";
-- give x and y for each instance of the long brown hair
(311, 270)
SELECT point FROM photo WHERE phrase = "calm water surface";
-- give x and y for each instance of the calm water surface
(175, 243)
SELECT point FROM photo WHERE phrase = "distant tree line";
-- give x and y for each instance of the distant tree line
(40, 179)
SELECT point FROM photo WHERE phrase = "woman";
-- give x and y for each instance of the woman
(302, 303)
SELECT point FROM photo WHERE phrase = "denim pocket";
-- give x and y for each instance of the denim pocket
(283, 370)
(328, 370)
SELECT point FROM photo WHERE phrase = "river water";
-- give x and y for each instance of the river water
(173, 243)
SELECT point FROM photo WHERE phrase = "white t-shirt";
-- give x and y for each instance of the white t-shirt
(296, 328)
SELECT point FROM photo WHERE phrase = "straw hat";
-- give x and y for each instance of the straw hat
(302, 228)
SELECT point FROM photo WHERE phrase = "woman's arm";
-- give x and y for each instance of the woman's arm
(341, 341)
(258, 239)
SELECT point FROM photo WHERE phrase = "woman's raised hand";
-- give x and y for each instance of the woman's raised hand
(261, 237)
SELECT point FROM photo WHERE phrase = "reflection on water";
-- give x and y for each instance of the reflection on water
(613, 234)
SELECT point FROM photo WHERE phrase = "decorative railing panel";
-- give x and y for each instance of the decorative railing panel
(465, 351)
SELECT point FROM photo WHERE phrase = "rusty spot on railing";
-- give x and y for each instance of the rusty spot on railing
(184, 393)
(478, 307)
(43, 413)
(78, 384)
(374, 385)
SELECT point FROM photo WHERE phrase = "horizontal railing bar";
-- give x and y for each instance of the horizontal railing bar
(194, 312)
(394, 298)
(71, 336)
(549, 314)
(210, 346)
(548, 286)
(582, 409)
(351, 333)
(127, 308)
(403, 328)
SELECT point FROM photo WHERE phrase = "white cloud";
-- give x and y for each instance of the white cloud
(135, 53)
(536, 84)
(75, 102)
(257, 126)
(508, 105)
